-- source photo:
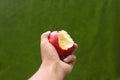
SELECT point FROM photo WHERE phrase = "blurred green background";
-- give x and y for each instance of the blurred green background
(93, 24)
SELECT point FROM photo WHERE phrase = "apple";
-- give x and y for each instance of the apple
(63, 43)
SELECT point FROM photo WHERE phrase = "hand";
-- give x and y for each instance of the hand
(52, 68)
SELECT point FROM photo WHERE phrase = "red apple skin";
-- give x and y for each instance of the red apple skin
(53, 39)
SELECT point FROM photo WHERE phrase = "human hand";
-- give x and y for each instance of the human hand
(52, 66)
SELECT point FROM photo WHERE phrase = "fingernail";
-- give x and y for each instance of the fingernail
(66, 60)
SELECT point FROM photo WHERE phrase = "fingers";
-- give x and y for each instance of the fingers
(71, 59)
(48, 52)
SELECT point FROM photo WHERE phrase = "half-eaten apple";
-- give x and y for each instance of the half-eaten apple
(63, 43)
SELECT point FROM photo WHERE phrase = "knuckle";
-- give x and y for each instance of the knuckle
(74, 57)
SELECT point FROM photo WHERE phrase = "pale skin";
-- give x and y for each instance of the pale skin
(52, 68)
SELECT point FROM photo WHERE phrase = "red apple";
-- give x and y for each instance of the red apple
(63, 43)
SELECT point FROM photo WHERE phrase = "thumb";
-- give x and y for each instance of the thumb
(45, 35)
(48, 52)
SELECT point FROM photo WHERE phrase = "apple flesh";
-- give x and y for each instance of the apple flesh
(63, 43)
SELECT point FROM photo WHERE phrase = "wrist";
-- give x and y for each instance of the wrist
(53, 70)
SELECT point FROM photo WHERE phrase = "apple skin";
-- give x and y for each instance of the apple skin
(53, 39)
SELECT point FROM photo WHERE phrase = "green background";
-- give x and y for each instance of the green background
(93, 24)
